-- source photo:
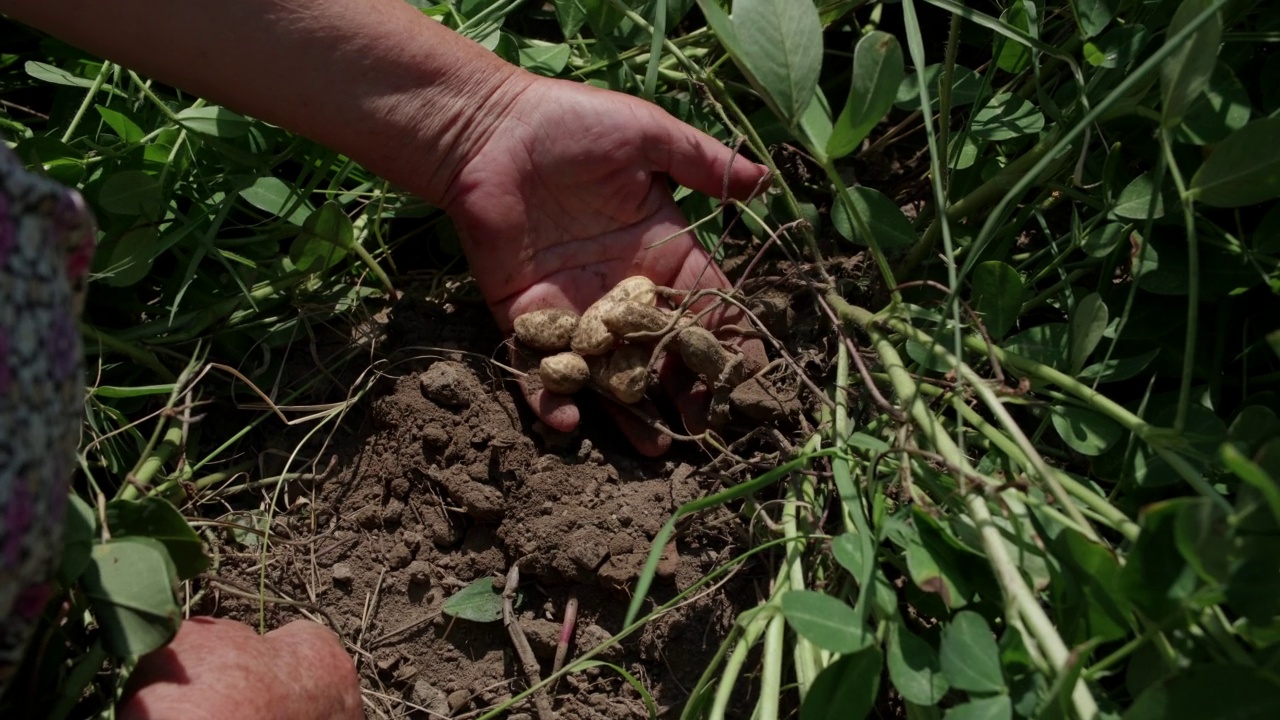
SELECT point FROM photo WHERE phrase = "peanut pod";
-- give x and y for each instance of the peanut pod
(564, 373)
(549, 329)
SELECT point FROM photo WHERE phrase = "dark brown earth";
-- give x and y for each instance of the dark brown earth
(440, 479)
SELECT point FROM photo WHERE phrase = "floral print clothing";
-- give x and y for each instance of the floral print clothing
(46, 239)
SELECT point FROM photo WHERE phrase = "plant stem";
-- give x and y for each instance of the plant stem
(88, 100)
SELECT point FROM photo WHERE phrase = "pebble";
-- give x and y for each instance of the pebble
(341, 573)
(432, 698)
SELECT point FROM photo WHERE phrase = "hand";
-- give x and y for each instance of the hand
(220, 669)
(568, 193)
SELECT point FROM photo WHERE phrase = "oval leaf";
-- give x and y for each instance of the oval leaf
(130, 192)
(1204, 691)
(131, 584)
(1140, 200)
(781, 41)
(970, 658)
(888, 225)
(156, 518)
(825, 621)
(877, 72)
(1184, 74)
(914, 667)
(997, 296)
(214, 121)
(846, 689)
(1005, 117)
(1088, 322)
(1085, 431)
(1244, 169)
(477, 602)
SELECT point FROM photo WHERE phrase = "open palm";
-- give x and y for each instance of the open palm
(570, 193)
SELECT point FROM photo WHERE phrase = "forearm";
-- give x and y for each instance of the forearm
(373, 79)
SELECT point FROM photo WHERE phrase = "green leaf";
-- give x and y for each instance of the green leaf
(156, 518)
(1202, 530)
(887, 223)
(934, 569)
(129, 258)
(214, 121)
(131, 193)
(1088, 323)
(1116, 369)
(77, 540)
(847, 549)
(1046, 344)
(1156, 578)
(326, 237)
(57, 76)
(1244, 169)
(966, 86)
(815, 124)
(825, 621)
(132, 585)
(781, 41)
(477, 602)
(997, 707)
(1219, 111)
(1011, 55)
(1210, 691)
(1254, 475)
(571, 15)
(1184, 74)
(1140, 200)
(1005, 117)
(877, 73)
(1101, 240)
(1118, 48)
(127, 129)
(1092, 16)
(275, 196)
(997, 296)
(547, 60)
(970, 657)
(1084, 430)
(602, 16)
(914, 668)
(1088, 596)
(846, 689)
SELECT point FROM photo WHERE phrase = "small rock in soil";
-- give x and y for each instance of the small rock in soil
(399, 557)
(435, 438)
(458, 699)
(428, 696)
(758, 401)
(393, 512)
(341, 574)
(420, 572)
(368, 518)
(449, 384)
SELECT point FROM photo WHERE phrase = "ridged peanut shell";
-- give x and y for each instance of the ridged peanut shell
(563, 373)
(549, 329)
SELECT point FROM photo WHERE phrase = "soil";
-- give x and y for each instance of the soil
(443, 478)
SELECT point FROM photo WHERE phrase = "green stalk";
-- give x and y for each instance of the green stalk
(1193, 282)
(1018, 594)
(86, 102)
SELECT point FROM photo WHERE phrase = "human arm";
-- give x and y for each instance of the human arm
(558, 189)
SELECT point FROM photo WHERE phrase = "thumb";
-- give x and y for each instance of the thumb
(698, 161)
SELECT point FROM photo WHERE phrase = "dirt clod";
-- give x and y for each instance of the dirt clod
(449, 384)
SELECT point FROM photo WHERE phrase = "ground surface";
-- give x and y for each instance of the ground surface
(442, 478)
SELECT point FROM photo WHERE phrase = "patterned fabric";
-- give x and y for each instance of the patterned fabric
(46, 240)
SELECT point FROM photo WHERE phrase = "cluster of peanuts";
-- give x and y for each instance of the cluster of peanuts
(611, 343)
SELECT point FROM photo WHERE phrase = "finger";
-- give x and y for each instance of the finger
(558, 412)
(648, 440)
(699, 161)
(688, 392)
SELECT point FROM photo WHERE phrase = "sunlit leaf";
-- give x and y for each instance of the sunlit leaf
(825, 621)
(156, 518)
(969, 656)
(877, 73)
(781, 41)
(886, 222)
(477, 602)
(131, 584)
(1085, 431)
(997, 707)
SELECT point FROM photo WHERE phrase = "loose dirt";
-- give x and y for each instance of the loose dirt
(440, 478)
